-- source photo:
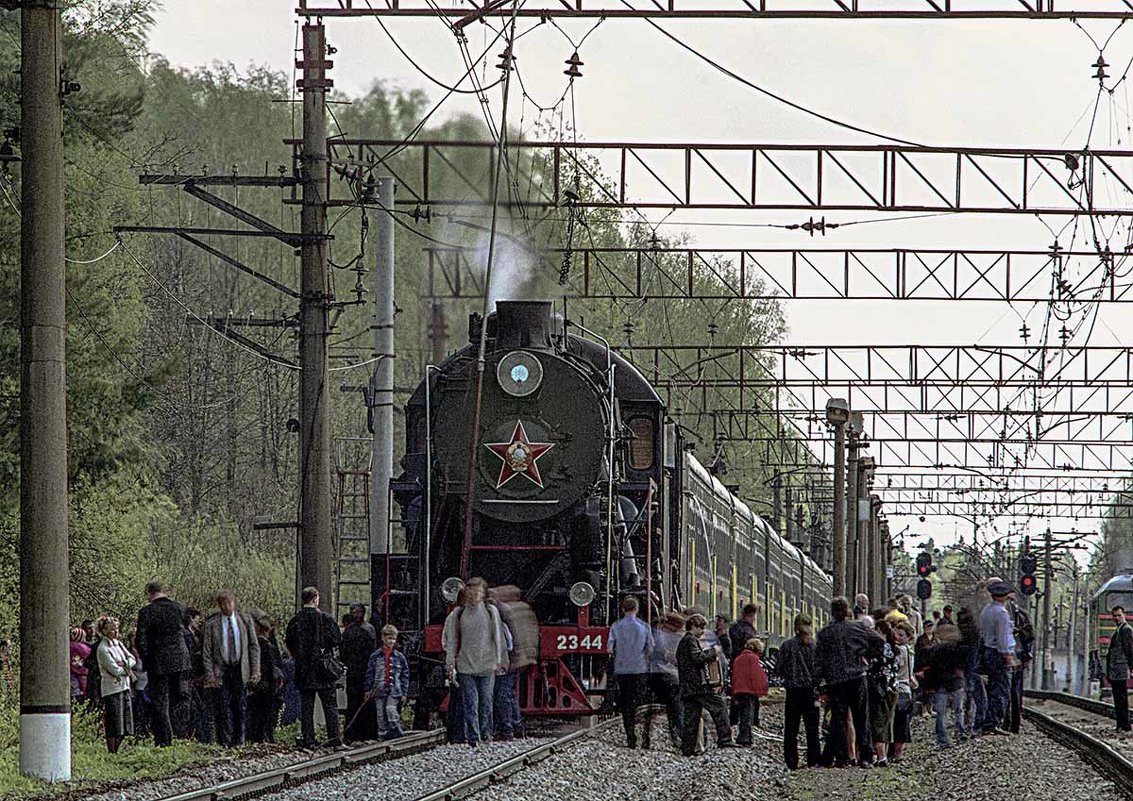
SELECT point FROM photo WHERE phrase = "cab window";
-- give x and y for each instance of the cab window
(641, 444)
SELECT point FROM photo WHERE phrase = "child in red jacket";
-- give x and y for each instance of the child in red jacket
(749, 684)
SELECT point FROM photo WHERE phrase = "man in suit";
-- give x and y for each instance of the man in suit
(230, 652)
(1118, 660)
(311, 635)
(165, 656)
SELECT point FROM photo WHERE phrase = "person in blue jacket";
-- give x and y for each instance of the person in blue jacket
(387, 680)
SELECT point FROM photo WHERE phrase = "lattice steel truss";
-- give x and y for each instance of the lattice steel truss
(1004, 407)
(736, 9)
(662, 175)
(807, 274)
(1024, 508)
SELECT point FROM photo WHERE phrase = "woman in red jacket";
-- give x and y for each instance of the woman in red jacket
(749, 684)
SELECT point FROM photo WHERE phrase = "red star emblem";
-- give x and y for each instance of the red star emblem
(519, 456)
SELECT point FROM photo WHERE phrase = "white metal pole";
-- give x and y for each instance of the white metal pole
(382, 408)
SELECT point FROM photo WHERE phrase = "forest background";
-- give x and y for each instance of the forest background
(179, 436)
(178, 433)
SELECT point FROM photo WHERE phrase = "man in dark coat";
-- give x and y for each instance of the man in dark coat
(696, 693)
(742, 630)
(1118, 660)
(165, 657)
(311, 636)
(358, 641)
(797, 665)
(841, 652)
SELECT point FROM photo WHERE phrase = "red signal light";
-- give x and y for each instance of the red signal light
(1028, 584)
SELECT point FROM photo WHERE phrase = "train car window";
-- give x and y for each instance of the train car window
(735, 591)
(641, 445)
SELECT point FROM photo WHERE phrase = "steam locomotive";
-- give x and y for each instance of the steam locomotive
(582, 492)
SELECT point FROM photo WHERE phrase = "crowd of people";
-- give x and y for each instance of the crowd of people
(226, 678)
(851, 689)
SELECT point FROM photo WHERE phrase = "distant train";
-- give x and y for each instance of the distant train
(1116, 591)
(583, 492)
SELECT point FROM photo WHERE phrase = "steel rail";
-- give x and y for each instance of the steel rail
(1085, 704)
(502, 770)
(1109, 763)
(318, 767)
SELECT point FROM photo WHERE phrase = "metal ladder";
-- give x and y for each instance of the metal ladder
(352, 456)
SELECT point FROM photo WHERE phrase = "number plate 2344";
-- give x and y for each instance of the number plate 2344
(573, 642)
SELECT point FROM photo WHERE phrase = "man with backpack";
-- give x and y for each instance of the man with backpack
(475, 651)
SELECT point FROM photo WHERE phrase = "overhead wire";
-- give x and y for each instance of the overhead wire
(716, 65)
(161, 284)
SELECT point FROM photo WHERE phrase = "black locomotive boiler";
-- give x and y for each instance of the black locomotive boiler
(582, 492)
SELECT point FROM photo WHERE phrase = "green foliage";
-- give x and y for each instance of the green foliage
(198, 557)
(93, 767)
(1116, 549)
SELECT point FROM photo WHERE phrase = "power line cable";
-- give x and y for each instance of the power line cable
(774, 96)
(199, 319)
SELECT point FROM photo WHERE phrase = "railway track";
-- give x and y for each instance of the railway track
(502, 770)
(1115, 766)
(1087, 704)
(315, 768)
(326, 766)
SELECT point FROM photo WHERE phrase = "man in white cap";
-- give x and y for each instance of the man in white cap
(997, 639)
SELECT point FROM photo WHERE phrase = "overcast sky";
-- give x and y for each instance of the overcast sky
(970, 83)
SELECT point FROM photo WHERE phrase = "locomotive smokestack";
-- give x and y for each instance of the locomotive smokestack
(523, 324)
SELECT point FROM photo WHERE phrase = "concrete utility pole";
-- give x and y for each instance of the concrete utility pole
(887, 550)
(876, 551)
(1048, 589)
(317, 552)
(777, 504)
(45, 704)
(381, 469)
(865, 473)
(852, 544)
(837, 414)
(789, 513)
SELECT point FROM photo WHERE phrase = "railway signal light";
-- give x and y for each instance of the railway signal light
(1028, 584)
(924, 589)
(925, 567)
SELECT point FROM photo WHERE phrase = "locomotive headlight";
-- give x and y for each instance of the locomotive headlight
(519, 373)
(451, 588)
(581, 594)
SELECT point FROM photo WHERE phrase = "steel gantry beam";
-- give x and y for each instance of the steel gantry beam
(726, 9)
(806, 274)
(900, 448)
(643, 175)
(838, 366)
(1026, 508)
(1020, 428)
(961, 484)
